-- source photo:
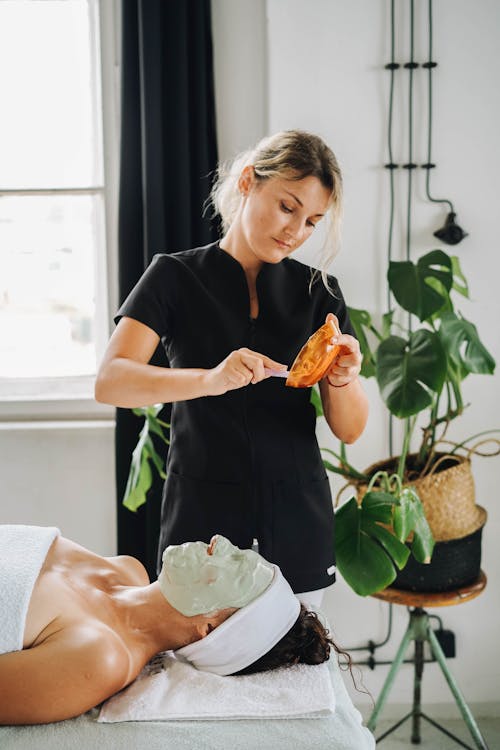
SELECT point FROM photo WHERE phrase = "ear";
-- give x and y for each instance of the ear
(246, 180)
(212, 620)
(203, 629)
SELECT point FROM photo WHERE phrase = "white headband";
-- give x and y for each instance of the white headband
(248, 634)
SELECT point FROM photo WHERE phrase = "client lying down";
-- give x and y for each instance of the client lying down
(75, 627)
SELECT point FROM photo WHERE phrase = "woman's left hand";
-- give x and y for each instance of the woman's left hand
(346, 366)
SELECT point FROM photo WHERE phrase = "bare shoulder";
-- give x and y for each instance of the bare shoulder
(74, 669)
(94, 645)
(131, 570)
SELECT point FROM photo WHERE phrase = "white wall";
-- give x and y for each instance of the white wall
(240, 69)
(326, 75)
(61, 474)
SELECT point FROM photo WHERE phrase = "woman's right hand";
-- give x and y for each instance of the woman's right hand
(239, 368)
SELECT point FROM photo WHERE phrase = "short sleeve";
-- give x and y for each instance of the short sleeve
(332, 300)
(149, 301)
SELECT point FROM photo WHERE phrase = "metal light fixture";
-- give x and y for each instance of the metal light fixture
(450, 233)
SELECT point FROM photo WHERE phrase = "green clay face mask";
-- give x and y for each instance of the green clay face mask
(195, 581)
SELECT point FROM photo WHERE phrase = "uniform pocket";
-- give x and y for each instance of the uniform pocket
(302, 539)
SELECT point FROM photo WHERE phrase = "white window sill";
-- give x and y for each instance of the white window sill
(54, 409)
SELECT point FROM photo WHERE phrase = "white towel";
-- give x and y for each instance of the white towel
(168, 689)
(23, 550)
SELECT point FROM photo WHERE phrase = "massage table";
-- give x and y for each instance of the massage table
(342, 730)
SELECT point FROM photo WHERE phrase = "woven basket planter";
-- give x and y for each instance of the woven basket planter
(448, 495)
(454, 564)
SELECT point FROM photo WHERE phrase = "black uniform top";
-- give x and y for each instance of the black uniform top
(245, 464)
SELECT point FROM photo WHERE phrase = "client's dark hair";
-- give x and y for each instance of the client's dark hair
(307, 642)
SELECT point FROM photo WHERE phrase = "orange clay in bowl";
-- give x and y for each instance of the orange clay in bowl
(315, 357)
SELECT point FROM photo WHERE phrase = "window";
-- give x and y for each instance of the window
(53, 307)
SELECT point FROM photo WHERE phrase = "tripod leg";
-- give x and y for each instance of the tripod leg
(417, 708)
(408, 636)
(460, 700)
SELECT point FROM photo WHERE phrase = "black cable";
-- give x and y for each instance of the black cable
(430, 65)
(371, 646)
(372, 663)
(410, 166)
(391, 166)
(436, 617)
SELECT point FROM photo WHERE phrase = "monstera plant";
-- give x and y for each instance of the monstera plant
(420, 354)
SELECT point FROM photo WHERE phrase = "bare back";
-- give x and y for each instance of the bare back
(77, 648)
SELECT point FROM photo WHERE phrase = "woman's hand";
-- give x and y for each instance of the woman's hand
(241, 367)
(345, 410)
(346, 366)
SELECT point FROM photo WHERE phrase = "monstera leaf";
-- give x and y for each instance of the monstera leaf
(361, 320)
(422, 288)
(367, 553)
(140, 477)
(462, 344)
(409, 517)
(316, 401)
(408, 371)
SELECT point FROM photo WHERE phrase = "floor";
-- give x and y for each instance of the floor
(433, 739)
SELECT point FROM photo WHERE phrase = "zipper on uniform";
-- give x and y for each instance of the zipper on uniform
(253, 326)
(246, 393)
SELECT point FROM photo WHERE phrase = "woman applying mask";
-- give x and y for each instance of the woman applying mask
(75, 627)
(243, 458)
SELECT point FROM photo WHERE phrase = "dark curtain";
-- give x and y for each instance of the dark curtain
(168, 155)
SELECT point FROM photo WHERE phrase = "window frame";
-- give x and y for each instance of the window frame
(74, 403)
